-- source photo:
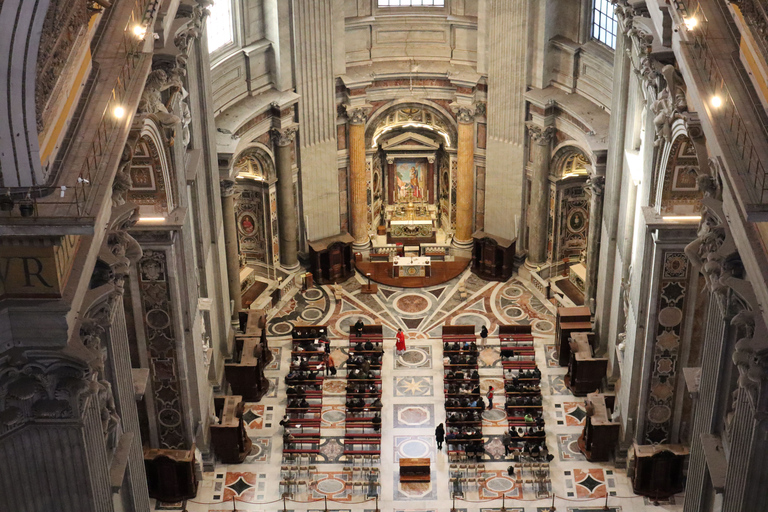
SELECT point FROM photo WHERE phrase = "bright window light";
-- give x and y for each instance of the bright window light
(604, 22)
(220, 25)
(411, 3)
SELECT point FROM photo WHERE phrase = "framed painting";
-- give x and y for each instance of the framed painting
(411, 180)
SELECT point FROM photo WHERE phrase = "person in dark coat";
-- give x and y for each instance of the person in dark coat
(483, 334)
(439, 436)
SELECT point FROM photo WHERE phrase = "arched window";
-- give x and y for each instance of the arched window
(220, 31)
(604, 22)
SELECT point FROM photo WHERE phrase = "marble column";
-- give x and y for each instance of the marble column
(230, 245)
(286, 204)
(538, 212)
(465, 177)
(596, 187)
(357, 179)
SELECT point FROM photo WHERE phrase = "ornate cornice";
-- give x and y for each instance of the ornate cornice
(284, 137)
(541, 135)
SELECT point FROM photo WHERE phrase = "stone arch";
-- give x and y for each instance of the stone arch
(675, 189)
(153, 186)
(569, 223)
(257, 162)
(397, 113)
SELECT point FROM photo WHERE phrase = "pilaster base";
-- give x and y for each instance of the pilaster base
(464, 245)
(361, 246)
(290, 268)
(532, 266)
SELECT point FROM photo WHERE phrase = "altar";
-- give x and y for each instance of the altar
(411, 223)
(417, 266)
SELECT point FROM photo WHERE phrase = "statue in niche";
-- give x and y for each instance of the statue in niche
(151, 101)
(669, 105)
(123, 181)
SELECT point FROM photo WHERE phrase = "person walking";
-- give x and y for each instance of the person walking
(331, 366)
(439, 436)
(483, 334)
(400, 344)
(489, 396)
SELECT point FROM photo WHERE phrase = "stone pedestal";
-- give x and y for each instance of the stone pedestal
(230, 245)
(358, 196)
(286, 204)
(538, 213)
(465, 175)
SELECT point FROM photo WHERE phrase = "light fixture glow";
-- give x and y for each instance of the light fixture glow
(119, 112)
(716, 101)
(681, 217)
(690, 23)
(152, 219)
(139, 31)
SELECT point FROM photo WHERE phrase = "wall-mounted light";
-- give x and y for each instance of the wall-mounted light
(151, 219)
(716, 101)
(119, 112)
(690, 23)
(139, 31)
(683, 218)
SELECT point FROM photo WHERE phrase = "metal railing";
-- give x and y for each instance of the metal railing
(740, 135)
(99, 146)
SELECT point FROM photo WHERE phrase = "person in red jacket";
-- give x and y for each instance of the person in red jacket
(400, 344)
(489, 395)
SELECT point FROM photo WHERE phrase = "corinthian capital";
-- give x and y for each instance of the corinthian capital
(227, 188)
(284, 137)
(596, 184)
(357, 115)
(541, 135)
(465, 115)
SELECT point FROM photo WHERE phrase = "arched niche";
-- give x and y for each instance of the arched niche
(412, 155)
(256, 206)
(152, 179)
(569, 218)
(676, 191)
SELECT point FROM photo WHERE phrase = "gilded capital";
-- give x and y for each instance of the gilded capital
(284, 137)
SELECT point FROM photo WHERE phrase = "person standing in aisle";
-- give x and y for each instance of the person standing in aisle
(483, 334)
(439, 436)
(400, 344)
(489, 396)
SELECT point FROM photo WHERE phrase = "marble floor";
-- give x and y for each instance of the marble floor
(412, 393)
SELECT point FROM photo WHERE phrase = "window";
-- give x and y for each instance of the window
(411, 3)
(604, 23)
(220, 25)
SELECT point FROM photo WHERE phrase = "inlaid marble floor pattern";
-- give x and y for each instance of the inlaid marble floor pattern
(413, 397)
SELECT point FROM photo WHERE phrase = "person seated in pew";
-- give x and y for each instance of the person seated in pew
(476, 390)
(366, 366)
(475, 375)
(535, 451)
(377, 402)
(303, 404)
(293, 404)
(473, 347)
(459, 374)
(450, 375)
(528, 418)
(368, 345)
(456, 346)
(288, 438)
(354, 374)
(446, 347)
